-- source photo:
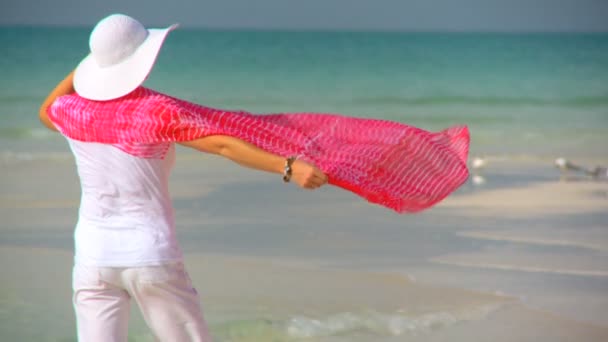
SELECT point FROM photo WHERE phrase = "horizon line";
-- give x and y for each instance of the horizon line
(324, 29)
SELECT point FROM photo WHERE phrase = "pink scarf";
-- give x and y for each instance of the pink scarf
(401, 167)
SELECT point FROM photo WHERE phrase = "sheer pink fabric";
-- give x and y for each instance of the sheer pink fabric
(398, 166)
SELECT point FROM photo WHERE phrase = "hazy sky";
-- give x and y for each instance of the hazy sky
(419, 15)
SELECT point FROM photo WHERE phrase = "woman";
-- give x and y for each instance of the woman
(125, 242)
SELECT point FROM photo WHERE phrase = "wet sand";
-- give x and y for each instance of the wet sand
(280, 264)
(240, 293)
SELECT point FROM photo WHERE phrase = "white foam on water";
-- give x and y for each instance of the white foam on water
(593, 238)
(41, 133)
(396, 324)
(521, 268)
(10, 157)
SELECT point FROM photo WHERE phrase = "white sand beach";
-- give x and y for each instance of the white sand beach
(326, 266)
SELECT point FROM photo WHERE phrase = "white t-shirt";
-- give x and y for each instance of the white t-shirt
(126, 216)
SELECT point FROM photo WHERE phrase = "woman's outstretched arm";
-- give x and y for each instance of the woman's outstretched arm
(304, 174)
(65, 87)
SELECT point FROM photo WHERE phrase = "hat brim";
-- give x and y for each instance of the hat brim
(106, 83)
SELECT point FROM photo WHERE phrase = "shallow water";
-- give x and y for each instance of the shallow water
(517, 247)
(325, 265)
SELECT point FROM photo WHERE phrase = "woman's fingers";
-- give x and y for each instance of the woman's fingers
(316, 180)
(310, 182)
(324, 178)
(308, 176)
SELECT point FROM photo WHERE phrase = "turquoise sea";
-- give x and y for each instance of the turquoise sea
(519, 249)
(539, 95)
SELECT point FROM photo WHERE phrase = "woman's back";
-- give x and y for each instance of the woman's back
(126, 217)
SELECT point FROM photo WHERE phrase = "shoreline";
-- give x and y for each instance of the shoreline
(235, 299)
(337, 240)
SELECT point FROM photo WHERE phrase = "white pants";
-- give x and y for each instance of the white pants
(164, 294)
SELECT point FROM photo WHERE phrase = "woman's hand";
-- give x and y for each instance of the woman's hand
(307, 175)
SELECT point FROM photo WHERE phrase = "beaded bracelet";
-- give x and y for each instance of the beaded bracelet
(287, 170)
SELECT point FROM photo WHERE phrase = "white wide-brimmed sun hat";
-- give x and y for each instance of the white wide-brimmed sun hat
(122, 55)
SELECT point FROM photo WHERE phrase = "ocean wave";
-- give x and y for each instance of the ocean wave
(580, 101)
(397, 324)
(20, 99)
(567, 241)
(26, 132)
(521, 268)
(371, 323)
(10, 157)
(396, 100)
